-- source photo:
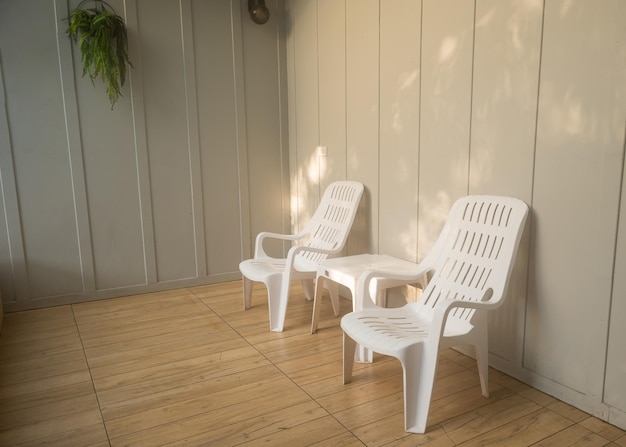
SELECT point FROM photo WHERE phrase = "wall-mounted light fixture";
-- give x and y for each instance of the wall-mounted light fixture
(258, 11)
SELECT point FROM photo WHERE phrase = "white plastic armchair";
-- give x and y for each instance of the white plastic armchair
(470, 264)
(324, 235)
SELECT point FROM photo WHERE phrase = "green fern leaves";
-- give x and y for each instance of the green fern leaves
(103, 42)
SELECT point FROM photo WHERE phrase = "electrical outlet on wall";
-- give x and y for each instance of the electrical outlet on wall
(322, 151)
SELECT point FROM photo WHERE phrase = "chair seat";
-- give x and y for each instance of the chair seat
(258, 270)
(389, 331)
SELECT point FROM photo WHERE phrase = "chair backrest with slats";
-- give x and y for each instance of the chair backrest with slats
(330, 225)
(475, 253)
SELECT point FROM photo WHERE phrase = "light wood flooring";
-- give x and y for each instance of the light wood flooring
(189, 367)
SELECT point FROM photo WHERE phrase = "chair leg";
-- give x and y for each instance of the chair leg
(333, 290)
(247, 293)
(317, 301)
(308, 286)
(349, 347)
(277, 298)
(419, 379)
(481, 351)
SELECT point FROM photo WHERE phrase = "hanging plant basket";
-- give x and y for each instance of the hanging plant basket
(103, 42)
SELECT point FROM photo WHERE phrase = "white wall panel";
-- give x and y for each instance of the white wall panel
(517, 97)
(267, 151)
(332, 89)
(576, 194)
(305, 187)
(362, 123)
(447, 50)
(504, 110)
(615, 386)
(400, 34)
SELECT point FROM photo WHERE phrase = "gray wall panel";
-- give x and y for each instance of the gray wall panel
(40, 149)
(112, 187)
(168, 142)
(153, 194)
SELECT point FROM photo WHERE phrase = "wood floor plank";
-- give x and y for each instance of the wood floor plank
(574, 435)
(42, 397)
(49, 346)
(253, 426)
(34, 368)
(311, 432)
(43, 384)
(243, 412)
(54, 426)
(36, 415)
(190, 367)
(345, 439)
(185, 401)
(358, 396)
(362, 376)
(524, 431)
(117, 363)
(434, 437)
(37, 324)
(132, 347)
(90, 435)
(482, 420)
(183, 372)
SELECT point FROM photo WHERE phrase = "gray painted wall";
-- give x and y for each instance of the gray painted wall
(426, 101)
(166, 190)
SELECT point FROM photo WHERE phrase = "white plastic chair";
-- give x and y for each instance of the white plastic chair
(325, 235)
(470, 264)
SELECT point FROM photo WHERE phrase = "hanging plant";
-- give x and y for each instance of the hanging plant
(103, 42)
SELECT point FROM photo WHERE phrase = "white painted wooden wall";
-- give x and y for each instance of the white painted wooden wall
(427, 101)
(170, 187)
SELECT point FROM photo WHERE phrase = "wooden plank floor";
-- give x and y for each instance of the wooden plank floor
(189, 367)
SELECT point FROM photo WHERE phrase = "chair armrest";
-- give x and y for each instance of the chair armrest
(259, 252)
(446, 305)
(363, 283)
(293, 252)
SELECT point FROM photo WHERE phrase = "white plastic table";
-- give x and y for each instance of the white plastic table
(346, 271)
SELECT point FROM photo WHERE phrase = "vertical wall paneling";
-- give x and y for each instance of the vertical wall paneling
(447, 51)
(362, 133)
(41, 160)
(332, 89)
(76, 160)
(576, 185)
(168, 142)
(615, 389)
(263, 122)
(305, 195)
(109, 180)
(615, 384)
(13, 277)
(243, 172)
(503, 126)
(400, 34)
(151, 194)
(140, 144)
(516, 97)
(193, 135)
